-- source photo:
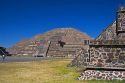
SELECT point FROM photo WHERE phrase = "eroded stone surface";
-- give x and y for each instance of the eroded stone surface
(106, 51)
(102, 75)
(61, 42)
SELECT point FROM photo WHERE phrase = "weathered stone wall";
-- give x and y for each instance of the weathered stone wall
(67, 51)
(81, 59)
(106, 42)
(107, 56)
(109, 33)
(102, 75)
(121, 19)
(121, 36)
(106, 51)
(31, 48)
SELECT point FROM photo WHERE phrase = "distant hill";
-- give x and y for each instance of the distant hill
(39, 44)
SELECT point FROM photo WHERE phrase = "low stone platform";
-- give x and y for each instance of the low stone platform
(102, 75)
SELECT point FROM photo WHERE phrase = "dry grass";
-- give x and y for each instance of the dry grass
(48, 71)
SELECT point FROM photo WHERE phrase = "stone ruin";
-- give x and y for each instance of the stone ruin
(105, 57)
(61, 42)
(60, 48)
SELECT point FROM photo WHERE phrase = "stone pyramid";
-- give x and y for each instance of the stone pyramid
(60, 42)
(105, 57)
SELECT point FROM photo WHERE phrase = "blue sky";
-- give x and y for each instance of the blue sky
(23, 19)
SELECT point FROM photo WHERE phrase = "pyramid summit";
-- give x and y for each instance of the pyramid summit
(65, 31)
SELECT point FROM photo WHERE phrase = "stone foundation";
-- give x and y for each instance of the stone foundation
(107, 56)
(102, 75)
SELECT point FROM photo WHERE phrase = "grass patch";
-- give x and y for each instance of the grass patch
(47, 71)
